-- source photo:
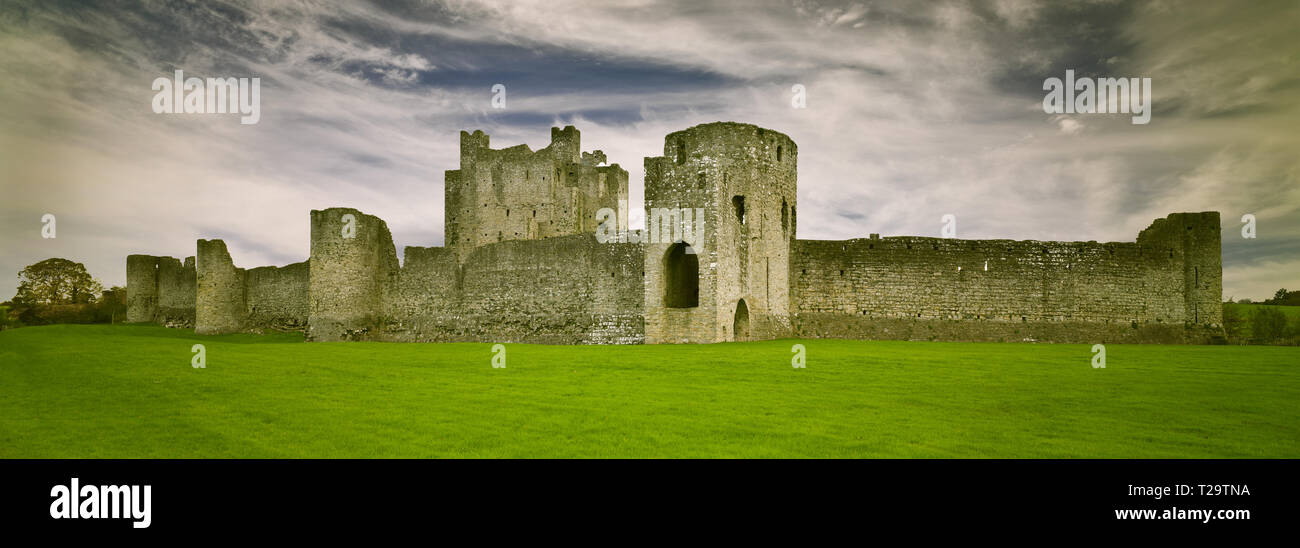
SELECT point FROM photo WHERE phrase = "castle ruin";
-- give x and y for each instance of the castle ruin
(522, 263)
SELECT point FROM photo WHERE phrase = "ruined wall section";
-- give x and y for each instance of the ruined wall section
(160, 290)
(233, 300)
(562, 290)
(352, 270)
(276, 297)
(520, 194)
(744, 177)
(1194, 240)
(948, 289)
(220, 298)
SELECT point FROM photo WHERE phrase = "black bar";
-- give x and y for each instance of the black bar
(325, 496)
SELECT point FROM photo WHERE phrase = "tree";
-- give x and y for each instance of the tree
(111, 307)
(1284, 297)
(1233, 324)
(56, 281)
(1268, 324)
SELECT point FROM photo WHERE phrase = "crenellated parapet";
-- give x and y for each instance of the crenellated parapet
(517, 193)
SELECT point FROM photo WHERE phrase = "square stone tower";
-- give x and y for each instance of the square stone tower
(516, 193)
(730, 281)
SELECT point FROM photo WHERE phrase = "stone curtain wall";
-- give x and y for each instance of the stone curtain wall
(231, 299)
(936, 288)
(522, 264)
(160, 290)
(560, 290)
(276, 297)
(563, 290)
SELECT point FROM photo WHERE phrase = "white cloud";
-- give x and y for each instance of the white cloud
(905, 122)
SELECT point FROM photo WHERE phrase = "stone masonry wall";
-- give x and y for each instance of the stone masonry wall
(563, 290)
(349, 275)
(516, 193)
(522, 264)
(276, 297)
(743, 178)
(949, 289)
(220, 293)
(231, 299)
(160, 290)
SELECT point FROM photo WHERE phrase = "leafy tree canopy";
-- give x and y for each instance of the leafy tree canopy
(56, 281)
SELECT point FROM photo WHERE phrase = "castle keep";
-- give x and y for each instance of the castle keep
(522, 263)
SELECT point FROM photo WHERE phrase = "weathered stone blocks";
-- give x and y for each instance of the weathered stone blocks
(522, 264)
(160, 290)
(220, 299)
(353, 265)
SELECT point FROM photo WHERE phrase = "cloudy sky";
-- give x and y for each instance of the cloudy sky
(914, 110)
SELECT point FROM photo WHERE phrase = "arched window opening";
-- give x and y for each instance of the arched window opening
(740, 326)
(738, 205)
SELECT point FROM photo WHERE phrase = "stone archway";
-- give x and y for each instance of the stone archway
(681, 277)
(740, 326)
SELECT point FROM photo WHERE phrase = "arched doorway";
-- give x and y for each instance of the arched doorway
(681, 277)
(740, 326)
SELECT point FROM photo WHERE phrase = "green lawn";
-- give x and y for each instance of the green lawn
(129, 391)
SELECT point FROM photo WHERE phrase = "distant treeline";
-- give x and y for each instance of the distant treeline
(1261, 324)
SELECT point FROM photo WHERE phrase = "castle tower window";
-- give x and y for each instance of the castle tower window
(738, 204)
(681, 277)
(681, 153)
(778, 153)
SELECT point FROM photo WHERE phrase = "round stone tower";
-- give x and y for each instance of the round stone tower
(353, 264)
(219, 294)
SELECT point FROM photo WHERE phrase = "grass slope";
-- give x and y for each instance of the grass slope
(129, 391)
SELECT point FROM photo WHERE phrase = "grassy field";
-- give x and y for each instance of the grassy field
(129, 391)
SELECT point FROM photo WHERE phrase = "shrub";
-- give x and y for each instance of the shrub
(1268, 325)
(1234, 326)
(8, 318)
